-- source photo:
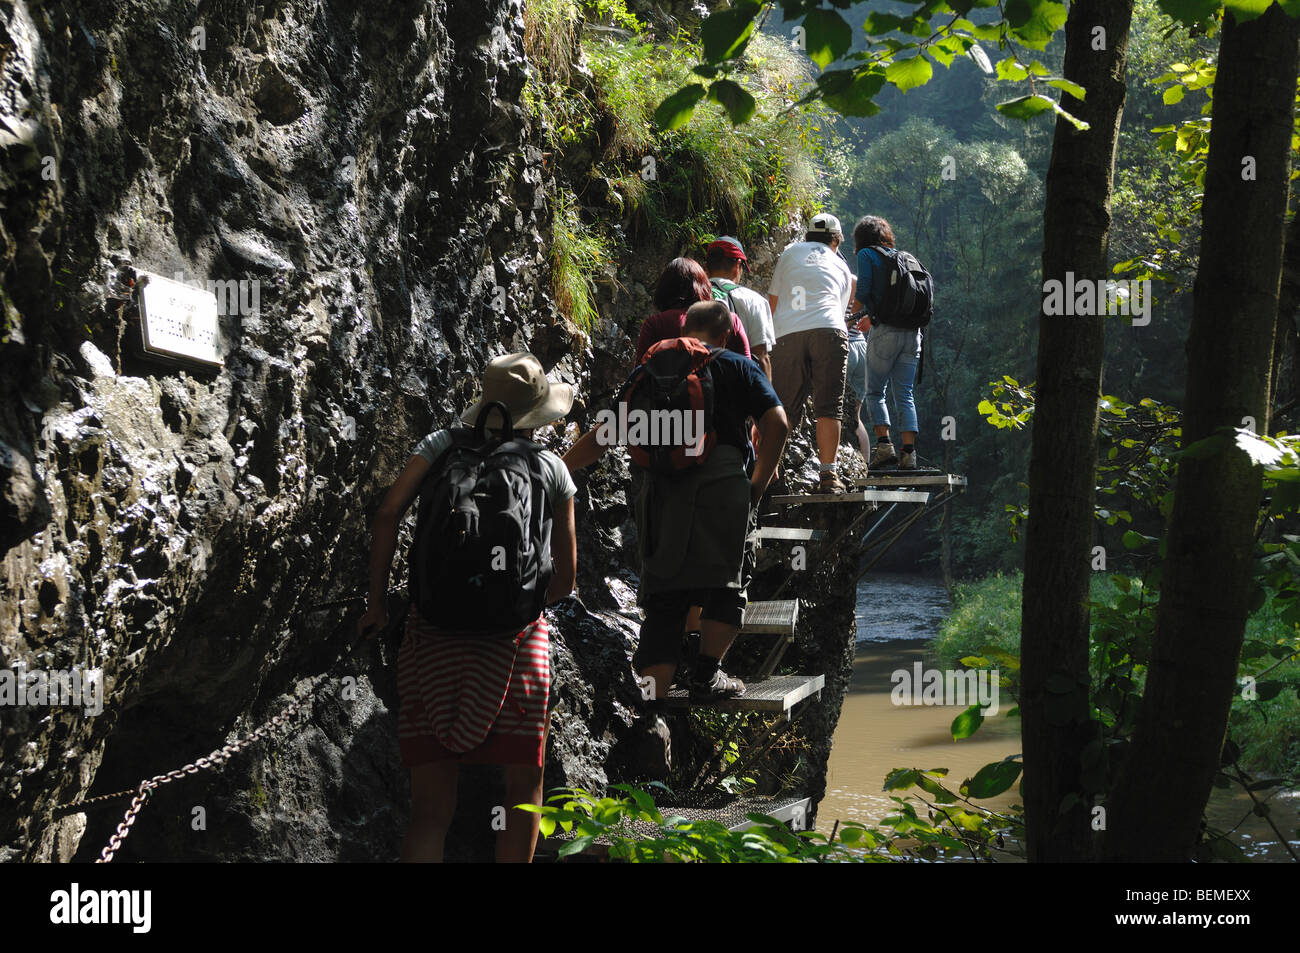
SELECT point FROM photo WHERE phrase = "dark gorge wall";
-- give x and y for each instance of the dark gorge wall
(365, 167)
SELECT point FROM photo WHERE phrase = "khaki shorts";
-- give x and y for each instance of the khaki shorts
(815, 362)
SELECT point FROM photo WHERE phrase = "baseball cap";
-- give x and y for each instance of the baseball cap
(825, 222)
(729, 247)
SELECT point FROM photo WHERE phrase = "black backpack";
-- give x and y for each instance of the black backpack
(481, 558)
(908, 301)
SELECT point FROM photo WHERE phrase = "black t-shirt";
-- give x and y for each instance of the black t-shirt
(740, 390)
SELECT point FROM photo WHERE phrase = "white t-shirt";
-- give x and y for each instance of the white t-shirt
(557, 483)
(754, 313)
(812, 285)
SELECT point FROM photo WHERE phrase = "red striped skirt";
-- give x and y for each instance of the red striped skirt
(475, 701)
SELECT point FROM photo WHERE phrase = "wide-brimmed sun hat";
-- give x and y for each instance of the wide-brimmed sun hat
(518, 381)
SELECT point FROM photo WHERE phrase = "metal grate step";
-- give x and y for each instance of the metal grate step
(856, 496)
(726, 809)
(776, 618)
(730, 811)
(910, 478)
(793, 534)
(778, 694)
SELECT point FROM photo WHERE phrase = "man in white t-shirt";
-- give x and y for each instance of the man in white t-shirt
(726, 263)
(810, 291)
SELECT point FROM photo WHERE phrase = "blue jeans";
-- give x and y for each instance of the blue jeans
(857, 374)
(891, 357)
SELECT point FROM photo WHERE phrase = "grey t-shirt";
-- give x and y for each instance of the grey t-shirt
(556, 481)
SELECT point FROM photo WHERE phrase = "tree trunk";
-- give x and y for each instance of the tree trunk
(1054, 703)
(945, 537)
(1156, 808)
(1286, 345)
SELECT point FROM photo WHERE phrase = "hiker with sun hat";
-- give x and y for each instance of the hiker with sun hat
(494, 544)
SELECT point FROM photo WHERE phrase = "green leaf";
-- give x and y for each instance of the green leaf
(547, 826)
(725, 33)
(899, 779)
(827, 35)
(1189, 11)
(878, 24)
(576, 846)
(1035, 21)
(1025, 107)
(855, 99)
(992, 779)
(931, 786)
(676, 111)
(1009, 69)
(1174, 94)
(967, 723)
(734, 98)
(1269, 690)
(909, 73)
(1135, 540)
(1246, 10)
(1074, 89)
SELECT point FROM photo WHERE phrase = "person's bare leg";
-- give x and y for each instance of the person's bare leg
(909, 437)
(716, 638)
(828, 438)
(864, 440)
(693, 618)
(515, 844)
(663, 676)
(881, 430)
(433, 804)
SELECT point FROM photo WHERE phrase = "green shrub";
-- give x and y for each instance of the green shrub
(636, 831)
(1267, 728)
(578, 253)
(709, 175)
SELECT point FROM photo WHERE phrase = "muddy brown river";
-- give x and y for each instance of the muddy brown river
(897, 615)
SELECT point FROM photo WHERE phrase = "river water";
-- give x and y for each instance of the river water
(896, 615)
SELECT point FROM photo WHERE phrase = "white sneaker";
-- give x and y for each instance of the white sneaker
(908, 460)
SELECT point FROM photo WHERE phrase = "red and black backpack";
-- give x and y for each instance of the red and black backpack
(675, 376)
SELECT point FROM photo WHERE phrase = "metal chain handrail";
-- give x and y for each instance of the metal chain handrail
(215, 759)
(141, 793)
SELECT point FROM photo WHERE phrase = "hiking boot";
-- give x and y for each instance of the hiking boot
(908, 460)
(721, 685)
(830, 483)
(655, 752)
(882, 456)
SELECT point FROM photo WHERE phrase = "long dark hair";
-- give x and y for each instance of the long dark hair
(682, 284)
(872, 230)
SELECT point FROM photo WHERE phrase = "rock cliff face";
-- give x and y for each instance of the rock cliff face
(361, 171)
